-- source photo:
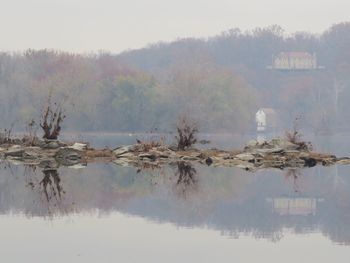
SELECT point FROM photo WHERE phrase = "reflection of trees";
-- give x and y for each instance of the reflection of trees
(186, 179)
(228, 200)
(51, 185)
(294, 175)
(48, 187)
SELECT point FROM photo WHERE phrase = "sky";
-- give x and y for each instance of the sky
(115, 25)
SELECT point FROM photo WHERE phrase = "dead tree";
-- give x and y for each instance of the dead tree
(51, 119)
(187, 131)
(295, 136)
(6, 135)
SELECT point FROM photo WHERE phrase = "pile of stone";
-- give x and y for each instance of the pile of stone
(46, 154)
(277, 153)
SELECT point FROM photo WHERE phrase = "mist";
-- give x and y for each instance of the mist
(221, 81)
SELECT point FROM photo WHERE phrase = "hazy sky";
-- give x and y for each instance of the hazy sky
(116, 25)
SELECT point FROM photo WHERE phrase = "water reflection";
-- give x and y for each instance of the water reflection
(229, 200)
(51, 185)
(186, 183)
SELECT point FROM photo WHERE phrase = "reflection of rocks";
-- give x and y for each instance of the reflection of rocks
(50, 154)
(68, 156)
(229, 201)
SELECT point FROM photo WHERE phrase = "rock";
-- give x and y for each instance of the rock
(343, 160)
(283, 143)
(126, 155)
(124, 149)
(252, 144)
(172, 148)
(14, 153)
(31, 155)
(270, 151)
(209, 161)
(51, 145)
(248, 166)
(40, 143)
(309, 162)
(291, 151)
(67, 156)
(78, 166)
(189, 158)
(15, 147)
(150, 156)
(78, 146)
(245, 157)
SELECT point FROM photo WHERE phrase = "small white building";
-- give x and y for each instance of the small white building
(260, 118)
(266, 119)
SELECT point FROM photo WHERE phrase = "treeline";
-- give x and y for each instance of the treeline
(319, 96)
(220, 81)
(100, 93)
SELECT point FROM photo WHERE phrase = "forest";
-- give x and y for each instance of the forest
(220, 81)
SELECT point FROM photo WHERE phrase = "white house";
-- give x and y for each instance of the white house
(266, 119)
(295, 61)
(260, 118)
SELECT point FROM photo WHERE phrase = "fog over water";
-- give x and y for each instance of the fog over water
(105, 211)
(111, 73)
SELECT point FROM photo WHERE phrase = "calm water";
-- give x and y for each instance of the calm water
(107, 213)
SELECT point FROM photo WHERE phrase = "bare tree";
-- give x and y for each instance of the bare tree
(187, 131)
(51, 119)
(6, 135)
(295, 136)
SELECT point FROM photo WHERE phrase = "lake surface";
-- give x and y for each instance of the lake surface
(180, 213)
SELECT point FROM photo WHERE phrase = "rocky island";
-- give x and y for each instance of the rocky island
(276, 153)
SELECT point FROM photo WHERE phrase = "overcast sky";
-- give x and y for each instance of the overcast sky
(117, 25)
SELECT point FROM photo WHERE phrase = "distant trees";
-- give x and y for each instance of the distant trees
(220, 81)
(132, 101)
(215, 96)
(249, 53)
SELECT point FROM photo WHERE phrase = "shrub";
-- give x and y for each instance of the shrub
(187, 131)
